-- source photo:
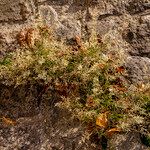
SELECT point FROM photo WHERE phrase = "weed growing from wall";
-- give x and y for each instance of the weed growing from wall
(89, 80)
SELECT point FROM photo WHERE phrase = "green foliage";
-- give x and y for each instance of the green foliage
(6, 61)
(88, 78)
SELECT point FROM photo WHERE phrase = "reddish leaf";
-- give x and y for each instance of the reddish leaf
(120, 69)
(122, 89)
(8, 121)
(101, 66)
(112, 131)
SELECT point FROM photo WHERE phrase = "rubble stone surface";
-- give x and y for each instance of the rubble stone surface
(124, 23)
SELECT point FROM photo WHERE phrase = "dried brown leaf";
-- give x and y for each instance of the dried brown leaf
(8, 121)
(102, 120)
(112, 131)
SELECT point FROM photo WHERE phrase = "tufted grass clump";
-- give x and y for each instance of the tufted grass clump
(88, 78)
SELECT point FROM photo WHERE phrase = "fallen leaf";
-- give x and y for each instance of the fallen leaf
(112, 131)
(102, 120)
(30, 37)
(60, 54)
(8, 121)
(90, 102)
(120, 69)
(79, 45)
(21, 38)
(101, 66)
(78, 41)
(121, 89)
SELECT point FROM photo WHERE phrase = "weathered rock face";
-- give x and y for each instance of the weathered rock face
(46, 127)
(124, 24)
(138, 68)
(14, 16)
(128, 141)
(15, 11)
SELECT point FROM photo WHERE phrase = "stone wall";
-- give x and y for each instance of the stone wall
(124, 24)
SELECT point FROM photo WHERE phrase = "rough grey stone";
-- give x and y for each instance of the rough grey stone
(137, 35)
(130, 141)
(48, 15)
(42, 128)
(15, 10)
(138, 69)
(124, 23)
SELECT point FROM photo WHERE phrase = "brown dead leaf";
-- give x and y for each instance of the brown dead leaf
(118, 88)
(30, 37)
(79, 45)
(120, 69)
(101, 66)
(8, 121)
(112, 131)
(90, 102)
(78, 40)
(102, 120)
(27, 37)
(21, 38)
